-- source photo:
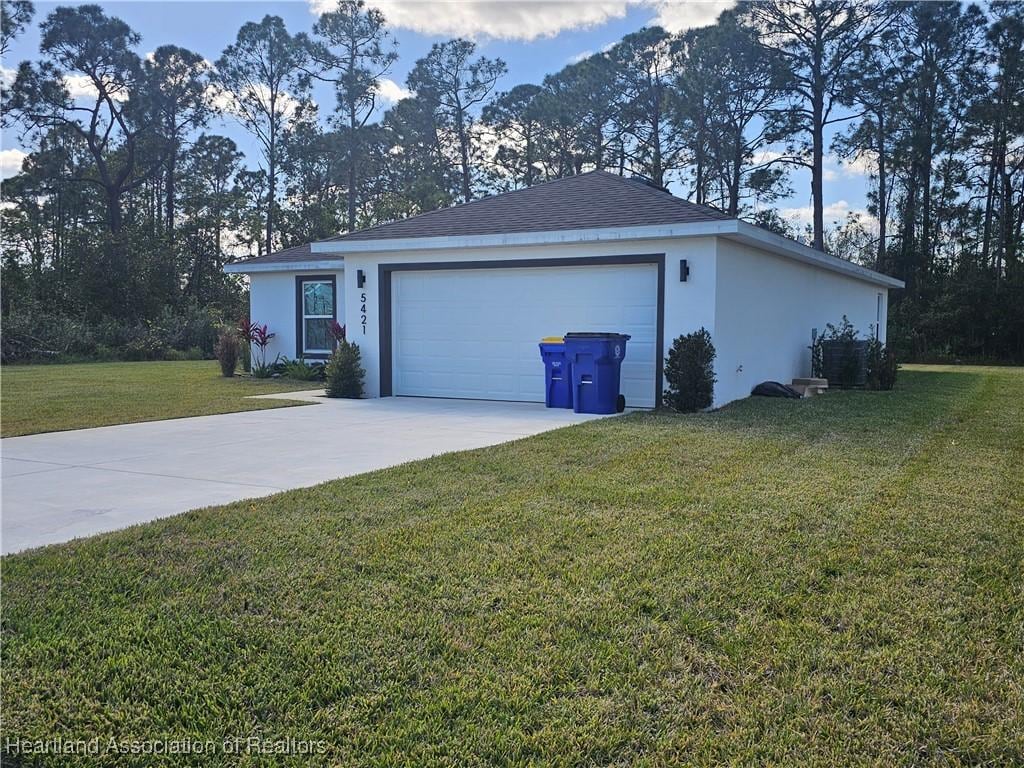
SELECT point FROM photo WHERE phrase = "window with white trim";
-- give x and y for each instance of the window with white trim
(317, 316)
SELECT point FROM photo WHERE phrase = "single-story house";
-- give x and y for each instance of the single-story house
(452, 303)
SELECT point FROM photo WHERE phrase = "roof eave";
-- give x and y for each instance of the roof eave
(748, 234)
(553, 237)
(733, 229)
(248, 268)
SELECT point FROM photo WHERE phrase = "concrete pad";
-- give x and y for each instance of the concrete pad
(63, 485)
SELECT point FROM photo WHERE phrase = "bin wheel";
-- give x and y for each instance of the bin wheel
(620, 404)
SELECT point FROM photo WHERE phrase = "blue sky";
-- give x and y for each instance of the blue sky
(534, 38)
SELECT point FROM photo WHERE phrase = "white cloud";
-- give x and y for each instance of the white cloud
(10, 162)
(765, 156)
(833, 212)
(531, 19)
(864, 164)
(223, 100)
(7, 75)
(391, 92)
(81, 87)
(680, 15)
(502, 19)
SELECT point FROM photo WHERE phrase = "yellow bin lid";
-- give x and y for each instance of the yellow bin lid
(552, 340)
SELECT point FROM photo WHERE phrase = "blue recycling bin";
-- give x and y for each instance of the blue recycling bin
(595, 360)
(557, 380)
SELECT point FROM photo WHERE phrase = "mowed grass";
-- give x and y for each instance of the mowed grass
(831, 582)
(49, 398)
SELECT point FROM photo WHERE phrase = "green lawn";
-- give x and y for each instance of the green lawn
(831, 582)
(48, 398)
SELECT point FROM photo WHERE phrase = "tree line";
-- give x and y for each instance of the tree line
(130, 204)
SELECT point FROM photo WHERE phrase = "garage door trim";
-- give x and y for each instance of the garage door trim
(384, 272)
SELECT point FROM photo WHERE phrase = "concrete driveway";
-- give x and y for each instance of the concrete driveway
(64, 485)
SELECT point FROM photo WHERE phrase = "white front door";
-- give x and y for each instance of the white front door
(473, 333)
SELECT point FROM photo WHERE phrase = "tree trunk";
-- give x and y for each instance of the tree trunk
(908, 271)
(528, 176)
(121, 296)
(699, 161)
(172, 169)
(460, 126)
(657, 171)
(883, 192)
(986, 236)
(1007, 246)
(735, 174)
(352, 168)
(817, 173)
(271, 191)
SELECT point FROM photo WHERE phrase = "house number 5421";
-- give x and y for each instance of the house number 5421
(362, 310)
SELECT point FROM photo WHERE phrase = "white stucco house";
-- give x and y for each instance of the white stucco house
(452, 303)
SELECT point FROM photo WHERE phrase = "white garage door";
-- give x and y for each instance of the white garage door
(473, 333)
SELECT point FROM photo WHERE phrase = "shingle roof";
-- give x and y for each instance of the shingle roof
(593, 200)
(295, 253)
(588, 201)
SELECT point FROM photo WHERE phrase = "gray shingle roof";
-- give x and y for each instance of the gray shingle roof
(588, 201)
(593, 200)
(295, 253)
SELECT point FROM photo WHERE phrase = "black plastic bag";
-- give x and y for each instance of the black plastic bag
(774, 389)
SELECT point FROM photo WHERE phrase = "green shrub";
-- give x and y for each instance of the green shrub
(192, 353)
(265, 370)
(690, 373)
(34, 333)
(839, 355)
(300, 370)
(245, 354)
(882, 366)
(344, 371)
(188, 326)
(144, 347)
(227, 353)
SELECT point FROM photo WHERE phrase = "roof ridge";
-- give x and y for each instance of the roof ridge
(648, 185)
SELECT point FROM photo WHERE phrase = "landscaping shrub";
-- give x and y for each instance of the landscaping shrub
(245, 355)
(881, 366)
(690, 373)
(244, 332)
(227, 353)
(260, 337)
(840, 356)
(300, 370)
(344, 371)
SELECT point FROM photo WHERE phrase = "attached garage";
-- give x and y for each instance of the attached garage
(472, 331)
(452, 303)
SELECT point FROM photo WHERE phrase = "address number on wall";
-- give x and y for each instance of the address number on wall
(362, 311)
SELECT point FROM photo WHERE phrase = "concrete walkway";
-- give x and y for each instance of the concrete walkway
(63, 485)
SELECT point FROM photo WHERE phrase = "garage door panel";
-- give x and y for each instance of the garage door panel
(474, 333)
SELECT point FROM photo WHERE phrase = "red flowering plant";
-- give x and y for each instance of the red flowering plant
(337, 331)
(246, 329)
(260, 336)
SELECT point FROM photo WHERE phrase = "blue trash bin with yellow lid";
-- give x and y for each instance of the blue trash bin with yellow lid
(557, 376)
